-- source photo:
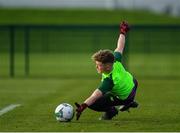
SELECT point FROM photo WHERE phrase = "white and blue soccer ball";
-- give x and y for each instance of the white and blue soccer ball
(64, 112)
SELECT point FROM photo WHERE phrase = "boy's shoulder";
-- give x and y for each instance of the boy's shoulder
(118, 56)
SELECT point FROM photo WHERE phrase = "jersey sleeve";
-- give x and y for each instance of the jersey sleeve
(118, 56)
(106, 85)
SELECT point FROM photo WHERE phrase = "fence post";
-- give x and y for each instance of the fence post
(12, 51)
(26, 51)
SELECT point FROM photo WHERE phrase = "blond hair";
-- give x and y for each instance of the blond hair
(104, 56)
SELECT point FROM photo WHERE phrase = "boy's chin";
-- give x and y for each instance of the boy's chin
(99, 72)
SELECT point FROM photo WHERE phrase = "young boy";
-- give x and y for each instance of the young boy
(118, 87)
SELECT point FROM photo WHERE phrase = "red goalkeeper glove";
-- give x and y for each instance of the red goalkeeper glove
(80, 109)
(124, 27)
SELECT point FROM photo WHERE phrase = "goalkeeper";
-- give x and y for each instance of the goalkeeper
(117, 88)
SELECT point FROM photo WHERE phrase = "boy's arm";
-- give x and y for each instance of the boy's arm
(89, 101)
(120, 44)
(124, 28)
(94, 96)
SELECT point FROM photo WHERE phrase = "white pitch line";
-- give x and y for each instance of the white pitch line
(8, 108)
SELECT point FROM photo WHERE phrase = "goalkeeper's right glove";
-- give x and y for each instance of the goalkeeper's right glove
(80, 109)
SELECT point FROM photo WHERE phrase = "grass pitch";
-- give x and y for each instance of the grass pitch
(46, 88)
(53, 80)
(158, 111)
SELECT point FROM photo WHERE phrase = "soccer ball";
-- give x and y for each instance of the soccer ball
(64, 112)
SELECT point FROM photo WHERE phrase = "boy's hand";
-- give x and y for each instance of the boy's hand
(124, 27)
(80, 109)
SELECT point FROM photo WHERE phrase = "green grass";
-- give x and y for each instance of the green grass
(57, 78)
(159, 106)
(86, 16)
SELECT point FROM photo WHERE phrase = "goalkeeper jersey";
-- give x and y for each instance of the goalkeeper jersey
(119, 82)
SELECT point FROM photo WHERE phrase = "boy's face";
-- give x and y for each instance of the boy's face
(102, 68)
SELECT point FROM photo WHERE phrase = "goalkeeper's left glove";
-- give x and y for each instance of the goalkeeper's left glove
(124, 27)
(80, 109)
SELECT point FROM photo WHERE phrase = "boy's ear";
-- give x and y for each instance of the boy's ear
(109, 66)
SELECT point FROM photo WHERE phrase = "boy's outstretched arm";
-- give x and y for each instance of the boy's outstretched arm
(89, 101)
(124, 28)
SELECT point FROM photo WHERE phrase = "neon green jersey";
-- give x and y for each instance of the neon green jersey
(119, 82)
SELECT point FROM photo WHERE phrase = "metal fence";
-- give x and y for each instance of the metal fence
(65, 50)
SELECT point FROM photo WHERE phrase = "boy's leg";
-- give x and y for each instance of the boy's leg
(105, 104)
(129, 102)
